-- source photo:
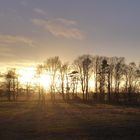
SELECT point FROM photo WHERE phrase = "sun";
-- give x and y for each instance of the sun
(45, 81)
(26, 75)
(29, 76)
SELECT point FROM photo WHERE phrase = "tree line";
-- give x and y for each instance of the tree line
(114, 80)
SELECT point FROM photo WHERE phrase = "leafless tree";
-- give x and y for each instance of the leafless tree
(118, 75)
(74, 83)
(84, 66)
(52, 65)
(12, 84)
(39, 71)
(63, 76)
(96, 63)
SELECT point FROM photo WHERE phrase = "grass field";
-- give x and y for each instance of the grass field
(68, 121)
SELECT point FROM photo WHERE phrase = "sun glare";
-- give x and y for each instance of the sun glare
(29, 76)
(45, 81)
(26, 75)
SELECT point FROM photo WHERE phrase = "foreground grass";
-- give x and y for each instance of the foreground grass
(70, 121)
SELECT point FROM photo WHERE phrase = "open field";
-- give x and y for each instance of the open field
(68, 121)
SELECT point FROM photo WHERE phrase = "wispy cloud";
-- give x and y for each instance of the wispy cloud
(60, 27)
(5, 49)
(66, 22)
(40, 11)
(13, 40)
(6, 52)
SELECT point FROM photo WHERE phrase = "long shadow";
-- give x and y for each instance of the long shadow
(60, 121)
(77, 126)
(102, 131)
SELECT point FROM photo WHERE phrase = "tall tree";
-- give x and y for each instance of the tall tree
(84, 66)
(11, 84)
(118, 75)
(131, 76)
(63, 75)
(74, 82)
(52, 65)
(39, 71)
(102, 74)
(96, 63)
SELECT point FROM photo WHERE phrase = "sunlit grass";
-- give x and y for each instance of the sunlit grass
(30, 120)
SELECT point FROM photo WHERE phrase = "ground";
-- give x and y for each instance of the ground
(68, 121)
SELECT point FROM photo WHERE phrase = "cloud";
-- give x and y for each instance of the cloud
(5, 49)
(66, 22)
(7, 40)
(60, 28)
(9, 47)
(6, 52)
(39, 11)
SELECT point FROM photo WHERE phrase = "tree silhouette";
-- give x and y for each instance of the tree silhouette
(83, 65)
(74, 83)
(52, 65)
(63, 76)
(11, 84)
(115, 80)
(39, 71)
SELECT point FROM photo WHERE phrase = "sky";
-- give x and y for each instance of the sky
(33, 30)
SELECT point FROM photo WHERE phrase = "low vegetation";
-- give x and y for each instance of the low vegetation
(68, 121)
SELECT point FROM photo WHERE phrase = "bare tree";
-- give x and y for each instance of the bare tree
(52, 65)
(137, 80)
(131, 76)
(74, 82)
(63, 76)
(12, 84)
(96, 63)
(40, 69)
(84, 66)
(118, 75)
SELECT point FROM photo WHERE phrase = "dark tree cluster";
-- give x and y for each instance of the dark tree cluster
(112, 81)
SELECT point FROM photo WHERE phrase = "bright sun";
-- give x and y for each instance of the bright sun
(45, 80)
(28, 76)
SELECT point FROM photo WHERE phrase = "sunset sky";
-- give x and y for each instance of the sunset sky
(33, 30)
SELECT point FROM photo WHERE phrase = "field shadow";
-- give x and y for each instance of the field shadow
(61, 120)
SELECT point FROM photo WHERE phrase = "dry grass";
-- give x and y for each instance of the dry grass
(68, 121)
